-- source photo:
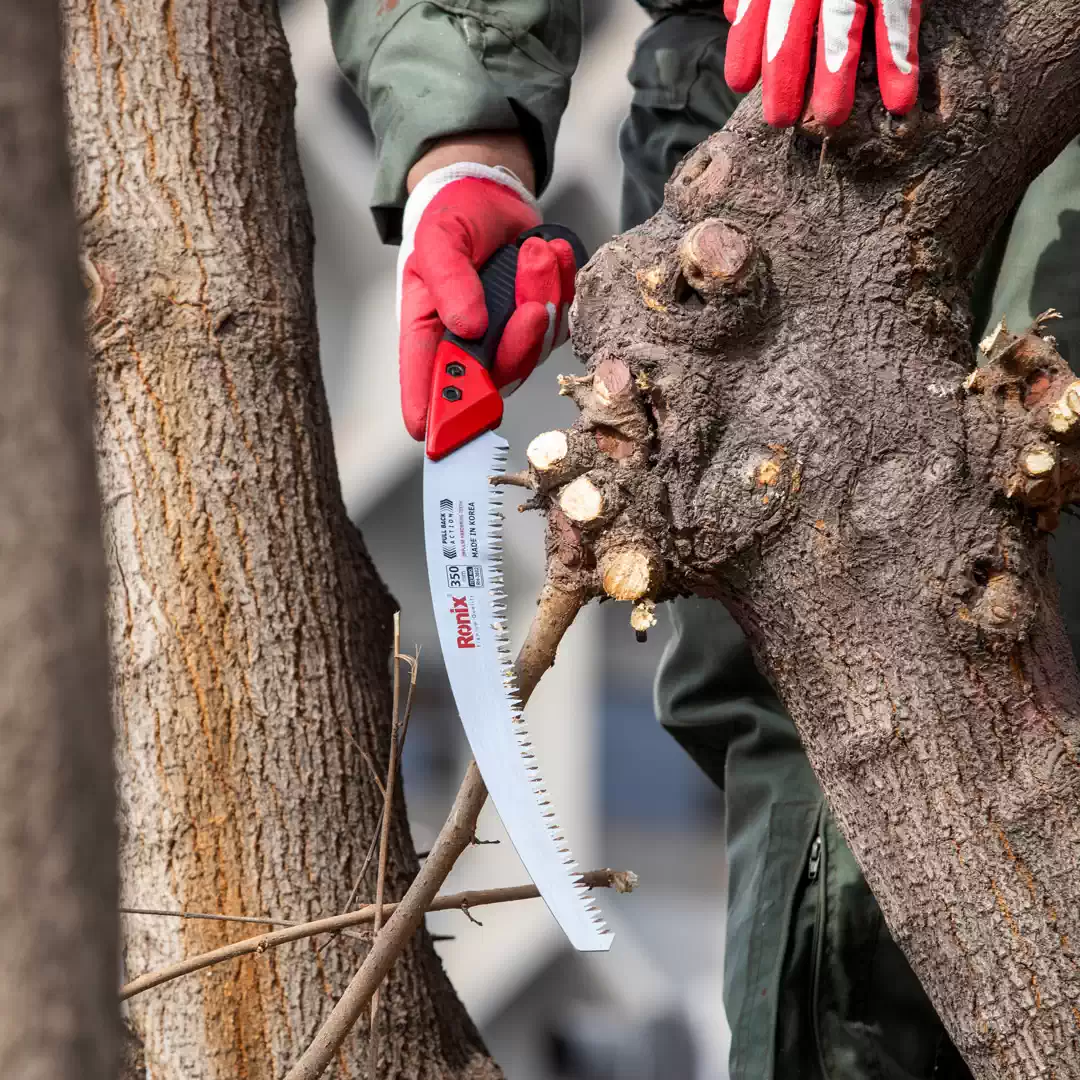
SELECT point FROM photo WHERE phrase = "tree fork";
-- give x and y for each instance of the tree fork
(817, 450)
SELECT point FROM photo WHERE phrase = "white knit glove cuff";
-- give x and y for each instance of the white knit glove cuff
(426, 190)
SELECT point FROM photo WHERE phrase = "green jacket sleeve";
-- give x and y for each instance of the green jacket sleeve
(425, 69)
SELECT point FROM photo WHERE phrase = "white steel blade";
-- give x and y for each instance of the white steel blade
(463, 539)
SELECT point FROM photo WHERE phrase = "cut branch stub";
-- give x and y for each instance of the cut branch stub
(1064, 413)
(582, 501)
(717, 257)
(1035, 399)
(1005, 610)
(557, 457)
(611, 406)
(565, 544)
(1039, 460)
(702, 179)
(548, 450)
(611, 381)
(630, 573)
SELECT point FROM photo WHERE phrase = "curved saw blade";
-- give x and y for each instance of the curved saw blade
(463, 538)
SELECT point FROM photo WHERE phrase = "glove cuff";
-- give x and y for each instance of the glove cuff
(433, 183)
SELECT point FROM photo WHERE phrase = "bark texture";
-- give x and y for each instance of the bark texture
(780, 414)
(58, 933)
(250, 633)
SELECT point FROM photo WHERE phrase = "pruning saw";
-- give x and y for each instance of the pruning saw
(463, 525)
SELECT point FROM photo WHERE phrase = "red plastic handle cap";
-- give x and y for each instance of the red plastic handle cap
(464, 401)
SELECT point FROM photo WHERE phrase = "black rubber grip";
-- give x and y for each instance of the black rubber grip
(498, 277)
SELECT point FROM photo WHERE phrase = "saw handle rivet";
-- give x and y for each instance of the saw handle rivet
(455, 370)
(451, 393)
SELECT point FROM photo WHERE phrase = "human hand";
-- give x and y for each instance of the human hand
(772, 39)
(455, 219)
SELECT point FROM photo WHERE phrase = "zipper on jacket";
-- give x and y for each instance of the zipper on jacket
(815, 858)
(817, 879)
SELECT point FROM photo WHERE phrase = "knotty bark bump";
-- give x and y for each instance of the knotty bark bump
(786, 347)
(58, 925)
(250, 633)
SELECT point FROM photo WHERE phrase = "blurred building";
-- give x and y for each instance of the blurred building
(627, 795)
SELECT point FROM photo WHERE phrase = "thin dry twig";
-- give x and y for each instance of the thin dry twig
(414, 667)
(359, 878)
(384, 837)
(204, 915)
(555, 612)
(620, 880)
(250, 919)
(376, 778)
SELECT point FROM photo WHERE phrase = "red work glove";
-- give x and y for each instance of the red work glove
(772, 39)
(455, 220)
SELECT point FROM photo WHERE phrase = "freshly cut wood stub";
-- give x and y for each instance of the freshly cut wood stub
(547, 450)
(628, 573)
(643, 617)
(582, 500)
(1065, 412)
(1039, 460)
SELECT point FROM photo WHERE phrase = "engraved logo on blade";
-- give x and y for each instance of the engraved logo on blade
(459, 608)
(446, 530)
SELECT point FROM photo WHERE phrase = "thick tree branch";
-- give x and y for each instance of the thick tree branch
(779, 385)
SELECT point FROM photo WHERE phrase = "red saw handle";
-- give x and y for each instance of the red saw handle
(464, 401)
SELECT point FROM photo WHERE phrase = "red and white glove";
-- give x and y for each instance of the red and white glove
(772, 39)
(455, 220)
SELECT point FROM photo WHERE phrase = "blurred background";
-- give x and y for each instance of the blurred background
(627, 796)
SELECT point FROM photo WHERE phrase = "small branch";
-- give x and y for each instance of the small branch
(468, 915)
(250, 919)
(414, 667)
(375, 777)
(359, 877)
(518, 479)
(620, 880)
(205, 915)
(555, 612)
(384, 839)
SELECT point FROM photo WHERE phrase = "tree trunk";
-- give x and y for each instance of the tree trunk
(250, 633)
(58, 935)
(780, 415)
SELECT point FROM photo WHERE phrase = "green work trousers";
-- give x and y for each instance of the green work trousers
(814, 986)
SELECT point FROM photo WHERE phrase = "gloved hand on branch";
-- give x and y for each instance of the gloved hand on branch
(772, 40)
(455, 220)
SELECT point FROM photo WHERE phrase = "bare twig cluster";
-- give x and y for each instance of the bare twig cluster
(621, 881)
(1034, 397)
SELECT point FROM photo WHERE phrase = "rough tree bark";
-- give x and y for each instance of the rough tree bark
(780, 414)
(250, 632)
(58, 933)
